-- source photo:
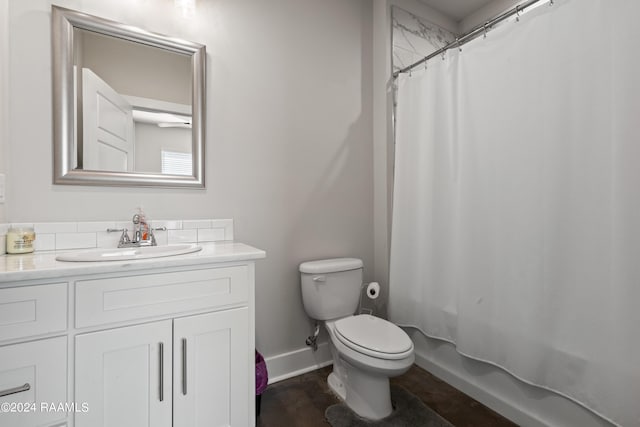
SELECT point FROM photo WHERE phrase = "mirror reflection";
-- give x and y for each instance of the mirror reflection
(128, 104)
(134, 106)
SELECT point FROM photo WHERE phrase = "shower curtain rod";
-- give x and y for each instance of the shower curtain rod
(476, 31)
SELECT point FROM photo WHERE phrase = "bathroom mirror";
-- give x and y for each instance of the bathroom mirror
(128, 104)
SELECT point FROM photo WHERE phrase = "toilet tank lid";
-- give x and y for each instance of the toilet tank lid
(333, 265)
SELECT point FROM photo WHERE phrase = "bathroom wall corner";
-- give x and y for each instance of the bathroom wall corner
(4, 96)
(383, 139)
(381, 63)
(297, 362)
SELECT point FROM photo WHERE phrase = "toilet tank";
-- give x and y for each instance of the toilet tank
(331, 287)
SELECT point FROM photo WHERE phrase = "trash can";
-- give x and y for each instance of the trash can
(262, 378)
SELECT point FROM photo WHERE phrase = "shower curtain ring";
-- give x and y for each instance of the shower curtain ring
(518, 13)
(458, 42)
(550, 2)
(485, 29)
(442, 54)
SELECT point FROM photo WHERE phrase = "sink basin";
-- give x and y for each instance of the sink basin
(121, 254)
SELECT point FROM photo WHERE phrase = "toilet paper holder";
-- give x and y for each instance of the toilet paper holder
(372, 290)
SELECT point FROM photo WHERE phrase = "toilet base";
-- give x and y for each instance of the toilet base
(337, 386)
(367, 395)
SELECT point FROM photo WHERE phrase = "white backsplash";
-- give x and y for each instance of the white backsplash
(51, 236)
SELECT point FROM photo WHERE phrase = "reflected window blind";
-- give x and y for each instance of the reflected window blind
(176, 163)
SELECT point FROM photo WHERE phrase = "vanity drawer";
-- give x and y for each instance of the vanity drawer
(117, 299)
(36, 373)
(32, 310)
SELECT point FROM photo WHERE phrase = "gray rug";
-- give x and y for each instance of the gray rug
(409, 411)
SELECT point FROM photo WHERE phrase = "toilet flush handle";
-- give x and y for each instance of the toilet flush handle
(319, 279)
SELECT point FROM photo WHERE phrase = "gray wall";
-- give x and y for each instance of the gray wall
(4, 98)
(289, 136)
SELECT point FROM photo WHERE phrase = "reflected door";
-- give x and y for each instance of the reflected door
(108, 135)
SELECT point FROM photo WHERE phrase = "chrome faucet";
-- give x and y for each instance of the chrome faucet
(137, 230)
(142, 234)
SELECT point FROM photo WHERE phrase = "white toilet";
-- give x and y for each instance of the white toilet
(366, 350)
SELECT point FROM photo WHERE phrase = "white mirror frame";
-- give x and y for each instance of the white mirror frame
(64, 126)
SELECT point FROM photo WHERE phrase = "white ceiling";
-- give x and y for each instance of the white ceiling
(457, 9)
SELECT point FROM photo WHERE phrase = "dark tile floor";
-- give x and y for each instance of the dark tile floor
(301, 401)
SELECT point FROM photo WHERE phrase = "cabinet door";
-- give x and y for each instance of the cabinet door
(124, 375)
(211, 371)
(33, 374)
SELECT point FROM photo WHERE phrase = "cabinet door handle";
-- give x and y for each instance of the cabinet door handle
(20, 389)
(161, 372)
(184, 366)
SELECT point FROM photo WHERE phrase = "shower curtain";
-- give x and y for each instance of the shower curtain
(516, 211)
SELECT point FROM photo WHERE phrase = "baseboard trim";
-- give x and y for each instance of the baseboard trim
(297, 362)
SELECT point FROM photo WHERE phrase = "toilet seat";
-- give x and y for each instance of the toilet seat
(374, 337)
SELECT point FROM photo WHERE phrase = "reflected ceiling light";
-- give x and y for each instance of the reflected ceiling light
(174, 125)
(161, 119)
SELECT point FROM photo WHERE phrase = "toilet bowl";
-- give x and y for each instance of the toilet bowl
(366, 350)
(362, 367)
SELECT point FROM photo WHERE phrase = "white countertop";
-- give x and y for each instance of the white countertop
(43, 265)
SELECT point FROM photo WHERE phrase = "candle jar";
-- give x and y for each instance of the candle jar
(20, 240)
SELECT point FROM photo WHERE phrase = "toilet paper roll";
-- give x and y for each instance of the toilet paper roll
(373, 290)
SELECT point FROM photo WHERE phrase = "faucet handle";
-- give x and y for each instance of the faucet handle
(152, 237)
(124, 238)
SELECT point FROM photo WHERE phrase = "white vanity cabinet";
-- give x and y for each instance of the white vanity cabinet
(196, 365)
(186, 369)
(133, 345)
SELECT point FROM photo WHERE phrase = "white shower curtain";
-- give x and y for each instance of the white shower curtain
(516, 211)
